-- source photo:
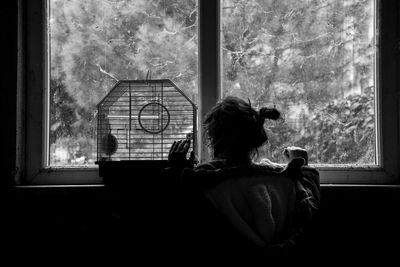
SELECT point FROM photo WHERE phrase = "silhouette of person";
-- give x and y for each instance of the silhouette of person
(232, 207)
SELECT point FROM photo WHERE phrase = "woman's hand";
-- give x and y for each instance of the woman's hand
(295, 152)
(178, 152)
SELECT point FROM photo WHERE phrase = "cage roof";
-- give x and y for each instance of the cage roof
(119, 89)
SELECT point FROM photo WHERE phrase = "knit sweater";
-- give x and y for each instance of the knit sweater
(266, 205)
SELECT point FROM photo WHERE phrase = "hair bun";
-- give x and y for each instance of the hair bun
(269, 113)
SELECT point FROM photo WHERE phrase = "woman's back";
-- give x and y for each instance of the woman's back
(237, 211)
(259, 206)
(230, 204)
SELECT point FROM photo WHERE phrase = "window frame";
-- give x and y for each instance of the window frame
(36, 110)
(33, 78)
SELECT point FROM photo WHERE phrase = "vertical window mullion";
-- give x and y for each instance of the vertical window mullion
(46, 84)
(35, 88)
(388, 111)
(209, 62)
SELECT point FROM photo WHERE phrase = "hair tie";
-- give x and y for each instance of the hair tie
(269, 113)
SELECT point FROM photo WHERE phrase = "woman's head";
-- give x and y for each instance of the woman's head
(235, 130)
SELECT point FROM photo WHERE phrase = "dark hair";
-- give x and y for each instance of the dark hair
(236, 130)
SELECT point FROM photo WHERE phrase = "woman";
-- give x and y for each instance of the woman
(233, 206)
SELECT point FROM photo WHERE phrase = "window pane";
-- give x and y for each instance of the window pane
(94, 43)
(313, 60)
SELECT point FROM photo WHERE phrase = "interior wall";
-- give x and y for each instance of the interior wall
(354, 223)
(8, 92)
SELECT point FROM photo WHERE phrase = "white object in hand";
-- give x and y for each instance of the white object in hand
(296, 152)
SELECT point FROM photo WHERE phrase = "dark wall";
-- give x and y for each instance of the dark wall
(354, 223)
(8, 85)
(359, 222)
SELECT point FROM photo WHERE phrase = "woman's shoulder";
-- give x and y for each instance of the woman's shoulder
(214, 172)
(211, 165)
(222, 167)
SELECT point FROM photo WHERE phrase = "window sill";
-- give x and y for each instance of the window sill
(65, 176)
(101, 187)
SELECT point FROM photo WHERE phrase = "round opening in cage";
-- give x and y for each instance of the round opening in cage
(154, 118)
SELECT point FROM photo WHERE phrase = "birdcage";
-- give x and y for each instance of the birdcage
(138, 120)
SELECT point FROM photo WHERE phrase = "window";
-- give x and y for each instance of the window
(315, 47)
(95, 43)
(314, 61)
